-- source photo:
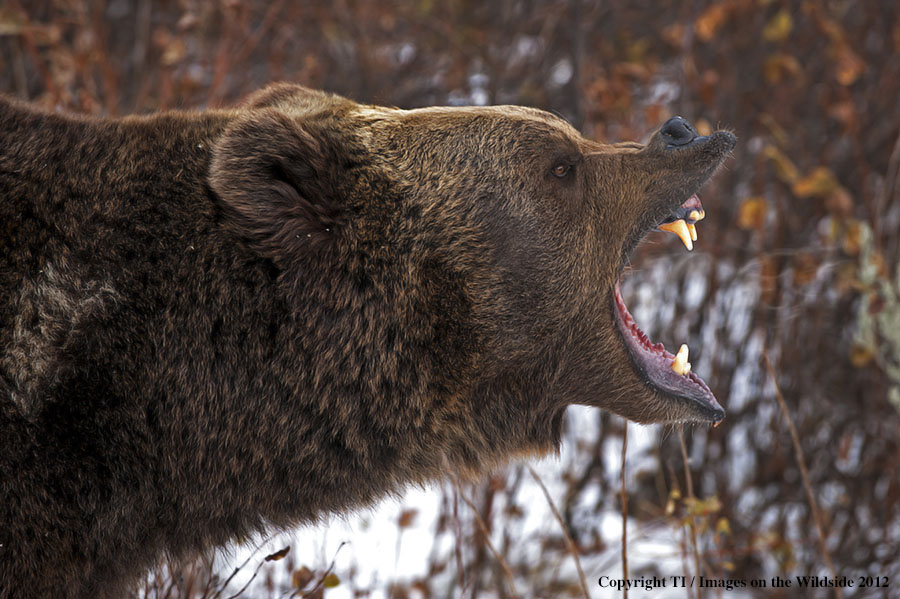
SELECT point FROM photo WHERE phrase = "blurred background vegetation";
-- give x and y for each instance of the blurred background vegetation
(797, 259)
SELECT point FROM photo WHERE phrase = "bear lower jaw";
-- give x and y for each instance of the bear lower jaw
(662, 371)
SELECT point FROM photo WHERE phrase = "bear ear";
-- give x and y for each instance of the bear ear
(278, 180)
(289, 96)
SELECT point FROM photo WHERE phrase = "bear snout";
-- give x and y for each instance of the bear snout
(677, 132)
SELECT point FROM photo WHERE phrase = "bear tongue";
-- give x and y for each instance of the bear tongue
(664, 372)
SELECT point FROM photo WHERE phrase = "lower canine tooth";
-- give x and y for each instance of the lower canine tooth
(680, 228)
(680, 364)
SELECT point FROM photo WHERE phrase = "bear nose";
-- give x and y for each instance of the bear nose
(677, 132)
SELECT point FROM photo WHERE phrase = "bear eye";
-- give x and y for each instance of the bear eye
(561, 170)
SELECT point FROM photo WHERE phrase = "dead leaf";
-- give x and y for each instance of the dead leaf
(174, 52)
(331, 581)
(806, 267)
(274, 557)
(406, 518)
(779, 27)
(301, 577)
(12, 21)
(839, 203)
(709, 86)
(752, 213)
(723, 527)
(703, 127)
(851, 242)
(784, 166)
(848, 66)
(674, 35)
(781, 67)
(820, 182)
(775, 129)
(861, 355)
(844, 112)
(710, 21)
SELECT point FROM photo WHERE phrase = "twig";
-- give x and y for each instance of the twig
(890, 184)
(252, 578)
(224, 585)
(330, 569)
(457, 530)
(624, 512)
(804, 473)
(252, 42)
(690, 493)
(30, 47)
(569, 542)
(487, 539)
(221, 61)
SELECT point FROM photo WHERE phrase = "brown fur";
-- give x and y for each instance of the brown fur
(216, 323)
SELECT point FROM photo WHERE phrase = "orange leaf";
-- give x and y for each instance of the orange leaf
(752, 213)
(852, 240)
(779, 27)
(820, 182)
(674, 35)
(781, 67)
(406, 518)
(723, 527)
(848, 66)
(861, 355)
(174, 52)
(712, 18)
(703, 127)
(784, 167)
(843, 111)
(775, 130)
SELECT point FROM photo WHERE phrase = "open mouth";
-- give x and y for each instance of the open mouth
(669, 374)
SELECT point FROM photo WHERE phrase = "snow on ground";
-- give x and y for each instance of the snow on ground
(374, 548)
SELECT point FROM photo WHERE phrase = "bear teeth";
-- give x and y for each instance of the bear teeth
(686, 232)
(693, 230)
(680, 364)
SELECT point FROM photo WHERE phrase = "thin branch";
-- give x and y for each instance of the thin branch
(624, 511)
(890, 186)
(224, 585)
(804, 473)
(457, 530)
(487, 538)
(690, 494)
(569, 542)
(330, 569)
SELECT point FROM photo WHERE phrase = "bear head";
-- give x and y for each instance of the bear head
(508, 227)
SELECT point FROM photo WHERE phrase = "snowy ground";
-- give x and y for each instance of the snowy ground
(374, 548)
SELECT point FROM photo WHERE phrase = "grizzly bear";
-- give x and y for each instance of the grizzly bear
(223, 322)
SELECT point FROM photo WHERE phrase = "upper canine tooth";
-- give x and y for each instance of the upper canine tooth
(680, 228)
(696, 215)
(680, 364)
